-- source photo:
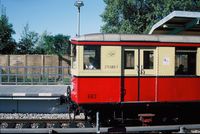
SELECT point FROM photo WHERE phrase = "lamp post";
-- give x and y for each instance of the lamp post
(78, 4)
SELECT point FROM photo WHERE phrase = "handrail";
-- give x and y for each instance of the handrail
(34, 75)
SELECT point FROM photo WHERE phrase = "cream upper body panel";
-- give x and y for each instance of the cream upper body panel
(166, 61)
(110, 62)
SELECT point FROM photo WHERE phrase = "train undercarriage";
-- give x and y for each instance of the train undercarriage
(138, 114)
(134, 113)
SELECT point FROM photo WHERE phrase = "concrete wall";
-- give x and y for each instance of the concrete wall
(31, 106)
(34, 60)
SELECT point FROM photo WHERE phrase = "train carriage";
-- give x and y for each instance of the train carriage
(125, 75)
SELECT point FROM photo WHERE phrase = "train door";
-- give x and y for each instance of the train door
(147, 74)
(138, 74)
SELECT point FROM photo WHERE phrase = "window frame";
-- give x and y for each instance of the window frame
(149, 64)
(97, 48)
(74, 56)
(125, 59)
(188, 51)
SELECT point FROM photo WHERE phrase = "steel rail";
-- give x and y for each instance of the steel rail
(174, 128)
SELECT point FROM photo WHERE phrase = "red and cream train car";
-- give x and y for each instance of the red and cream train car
(136, 74)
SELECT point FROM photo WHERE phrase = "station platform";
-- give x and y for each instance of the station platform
(32, 98)
(32, 90)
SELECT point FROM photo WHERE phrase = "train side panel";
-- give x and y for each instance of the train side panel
(130, 89)
(97, 90)
(178, 89)
(147, 89)
(102, 85)
(112, 84)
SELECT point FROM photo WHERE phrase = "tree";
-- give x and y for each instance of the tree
(44, 44)
(49, 44)
(58, 44)
(61, 44)
(27, 42)
(138, 16)
(7, 43)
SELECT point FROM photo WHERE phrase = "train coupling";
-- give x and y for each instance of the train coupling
(67, 97)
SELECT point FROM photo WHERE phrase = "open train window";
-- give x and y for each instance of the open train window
(129, 61)
(74, 56)
(148, 59)
(185, 61)
(91, 57)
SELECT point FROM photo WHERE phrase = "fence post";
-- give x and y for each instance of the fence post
(47, 75)
(39, 75)
(8, 73)
(25, 76)
(0, 75)
(62, 77)
(32, 75)
(25, 73)
(16, 75)
(56, 74)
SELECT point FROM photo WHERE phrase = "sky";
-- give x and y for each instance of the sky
(54, 16)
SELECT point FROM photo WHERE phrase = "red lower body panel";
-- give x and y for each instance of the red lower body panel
(145, 91)
(178, 89)
(150, 89)
(97, 90)
(131, 89)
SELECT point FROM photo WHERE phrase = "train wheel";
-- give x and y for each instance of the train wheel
(80, 125)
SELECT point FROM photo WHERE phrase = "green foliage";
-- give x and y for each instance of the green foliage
(138, 16)
(7, 43)
(49, 44)
(33, 43)
(61, 44)
(27, 42)
(44, 45)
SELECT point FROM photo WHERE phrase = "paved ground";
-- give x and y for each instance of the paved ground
(32, 90)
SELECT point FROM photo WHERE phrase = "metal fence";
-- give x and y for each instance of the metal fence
(34, 75)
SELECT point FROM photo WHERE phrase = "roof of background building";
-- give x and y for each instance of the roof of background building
(178, 23)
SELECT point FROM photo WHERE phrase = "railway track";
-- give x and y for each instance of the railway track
(59, 123)
(191, 128)
(43, 123)
(19, 121)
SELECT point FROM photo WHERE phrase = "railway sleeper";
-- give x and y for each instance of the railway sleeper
(33, 125)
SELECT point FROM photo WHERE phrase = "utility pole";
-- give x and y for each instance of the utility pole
(78, 4)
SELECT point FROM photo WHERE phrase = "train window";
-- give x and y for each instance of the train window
(148, 58)
(73, 54)
(91, 57)
(185, 61)
(129, 59)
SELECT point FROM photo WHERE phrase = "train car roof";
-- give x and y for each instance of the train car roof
(100, 39)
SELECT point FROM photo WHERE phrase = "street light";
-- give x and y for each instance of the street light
(78, 4)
